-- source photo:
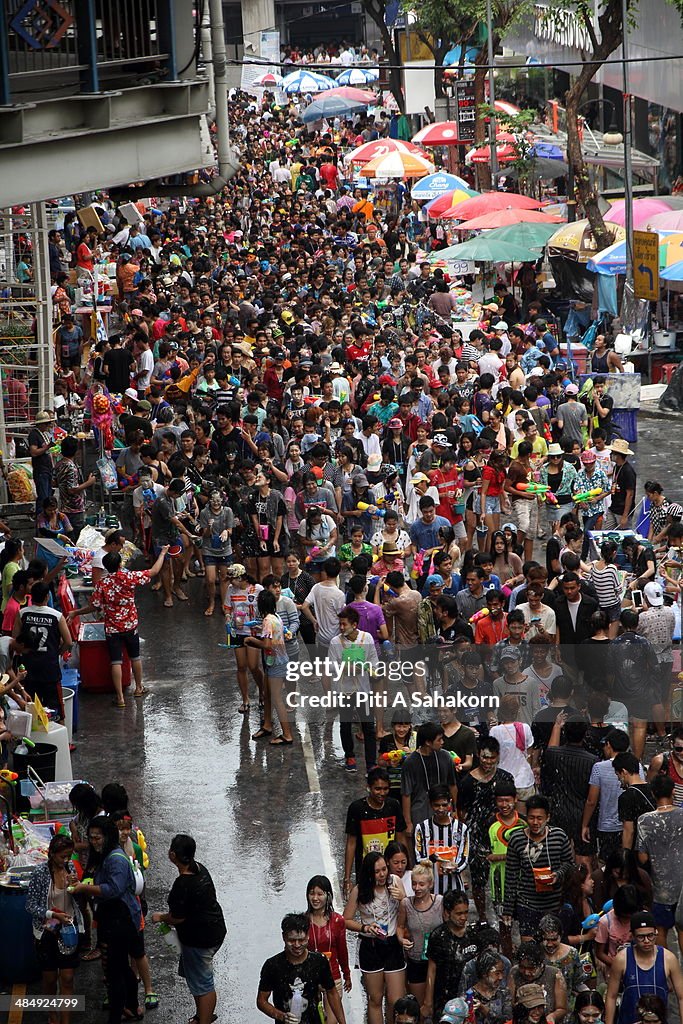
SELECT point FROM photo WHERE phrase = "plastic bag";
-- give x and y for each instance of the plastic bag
(107, 471)
(90, 538)
(20, 483)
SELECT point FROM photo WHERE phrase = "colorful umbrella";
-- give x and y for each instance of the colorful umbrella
(489, 201)
(503, 107)
(444, 204)
(504, 218)
(453, 56)
(398, 165)
(670, 249)
(506, 153)
(268, 80)
(482, 250)
(531, 236)
(358, 76)
(672, 220)
(306, 81)
(438, 184)
(441, 133)
(576, 242)
(612, 260)
(643, 210)
(329, 106)
(345, 92)
(380, 147)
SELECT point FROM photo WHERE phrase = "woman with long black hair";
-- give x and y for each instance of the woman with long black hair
(376, 898)
(327, 934)
(118, 915)
(57, 921)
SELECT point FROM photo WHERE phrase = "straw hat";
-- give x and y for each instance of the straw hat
(619, 446)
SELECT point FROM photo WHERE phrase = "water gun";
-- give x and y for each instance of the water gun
(592, 919)
(550, 498)
(532, 488)
(590, 496)
(287, 634)
(58, 436)
(8, 776)
(481, 614)
(364, 506)
(385, 586)
(388, 499)
(128, 481)
(454, 757)
(313, 553)
(235, 381)
(469, 999)
(389, 649)
(393, 758)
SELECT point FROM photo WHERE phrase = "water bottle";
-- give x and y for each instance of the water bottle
(100, 517)
(296, 1007)
(170, 935)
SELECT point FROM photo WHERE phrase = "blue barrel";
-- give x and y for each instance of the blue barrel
(72, 679)
(626, 422)
(16, 933)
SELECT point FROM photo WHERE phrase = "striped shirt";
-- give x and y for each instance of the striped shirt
(527, 867)
(607, 585)
(449, 842)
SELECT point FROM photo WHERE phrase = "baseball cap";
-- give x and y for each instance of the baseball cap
(288, 316)
(514, 653)
(441, 439)
(654, 594)
(435, 580)
(131, 393)
(395, 423)
(571, 389)
(144, 405)
(419, 478)
(532, 995)
(500, 326)
(455, 1011)
(643, 919)
(509, 526)
(588, 458)
(136, 312)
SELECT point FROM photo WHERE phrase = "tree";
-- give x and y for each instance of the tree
(376, 9)
(443, 24)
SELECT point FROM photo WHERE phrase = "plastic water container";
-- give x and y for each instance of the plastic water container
(72, 680)
(626, 422)
(68, 701)
(95, 664)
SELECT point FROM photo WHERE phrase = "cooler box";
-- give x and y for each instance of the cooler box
(579, 355)
(95, 666)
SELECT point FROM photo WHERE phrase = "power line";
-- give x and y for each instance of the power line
(327, 68)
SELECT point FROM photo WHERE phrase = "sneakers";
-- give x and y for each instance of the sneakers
(350, 765)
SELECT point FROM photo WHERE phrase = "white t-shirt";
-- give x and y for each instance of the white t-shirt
(512, 759)
(326, 601)
(349, 653)
(146, 363)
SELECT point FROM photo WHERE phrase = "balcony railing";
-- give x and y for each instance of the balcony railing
(63, 47)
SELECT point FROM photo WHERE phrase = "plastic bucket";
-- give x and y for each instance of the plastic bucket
(68, 699)
(42, 758)
(459, 508)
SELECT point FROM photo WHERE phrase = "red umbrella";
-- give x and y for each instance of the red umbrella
(438, 208)
(381, 147)
(442, 133)
(506, 154)
(502, 218)
(347, 92)
(489, 201)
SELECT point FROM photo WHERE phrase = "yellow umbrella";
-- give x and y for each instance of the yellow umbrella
(576, 240)
(398, 165)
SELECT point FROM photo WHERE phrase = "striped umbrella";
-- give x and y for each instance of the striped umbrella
(380, 147)
(306, 81)
(441, 133)
(439, 207)
(268, 80)
(438, 184)
(358, 76)
(398, 165)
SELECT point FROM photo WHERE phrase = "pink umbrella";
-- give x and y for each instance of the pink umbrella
(672, 220)
(503, 218)
(488, 201)
(503, 107)
(347, 92)
(643, 210)
(442, 133)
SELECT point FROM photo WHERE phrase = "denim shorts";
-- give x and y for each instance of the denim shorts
(664, 914)
(492, 505)
(196, 967)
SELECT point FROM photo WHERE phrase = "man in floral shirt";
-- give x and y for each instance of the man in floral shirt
(114, 596)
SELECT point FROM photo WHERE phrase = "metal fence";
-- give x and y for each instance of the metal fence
(41, 37)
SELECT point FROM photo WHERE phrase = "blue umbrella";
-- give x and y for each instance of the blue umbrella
(672, 273)
(358, 76)
(547, 151)
(453, 56)
(302, 80)
(434, 185)
(329, 106)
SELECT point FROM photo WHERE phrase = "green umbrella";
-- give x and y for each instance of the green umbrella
(484, 249)
(531, 236)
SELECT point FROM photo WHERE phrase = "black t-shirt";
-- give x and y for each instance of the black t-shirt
(118, 362)
(634, 801)
(625, 480)
(193, 897)
(605, 422)
(373, 827)
(283, 979)
(544, 720)
(37, 438)
(131, 424)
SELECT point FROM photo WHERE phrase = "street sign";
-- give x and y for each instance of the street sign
(466, 107)
(646, 265)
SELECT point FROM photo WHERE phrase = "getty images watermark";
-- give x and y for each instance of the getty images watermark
(361, 684)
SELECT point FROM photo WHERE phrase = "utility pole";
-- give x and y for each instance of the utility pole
(492, 98)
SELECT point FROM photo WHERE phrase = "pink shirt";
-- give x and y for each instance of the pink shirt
(613, 933)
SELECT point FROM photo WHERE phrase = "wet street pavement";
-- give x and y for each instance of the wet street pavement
(265, 820)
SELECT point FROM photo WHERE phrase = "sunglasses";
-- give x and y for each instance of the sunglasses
(679, 750)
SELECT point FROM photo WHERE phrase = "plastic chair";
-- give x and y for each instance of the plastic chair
(667, 371)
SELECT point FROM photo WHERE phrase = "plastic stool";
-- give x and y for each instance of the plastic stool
(667, 371)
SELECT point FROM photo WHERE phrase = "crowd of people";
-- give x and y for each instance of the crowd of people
(304, 429)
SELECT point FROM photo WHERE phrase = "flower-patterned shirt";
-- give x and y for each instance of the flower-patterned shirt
(115, 596)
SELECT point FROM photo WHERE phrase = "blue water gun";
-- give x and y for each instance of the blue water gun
(592, 919)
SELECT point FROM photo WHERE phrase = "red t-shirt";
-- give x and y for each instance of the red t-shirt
(446, 484)
(495, 479)
(84, 257)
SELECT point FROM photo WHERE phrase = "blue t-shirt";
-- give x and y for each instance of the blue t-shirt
(425, 535)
